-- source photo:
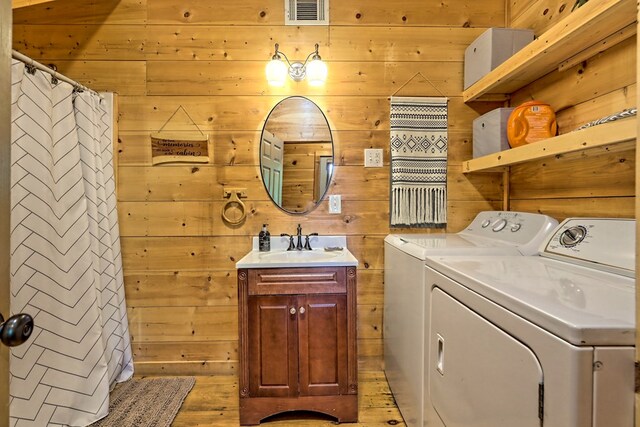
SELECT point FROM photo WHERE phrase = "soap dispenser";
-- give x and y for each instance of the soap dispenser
(264, 239)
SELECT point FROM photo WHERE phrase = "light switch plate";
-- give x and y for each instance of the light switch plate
(335, 204)
(373, 157)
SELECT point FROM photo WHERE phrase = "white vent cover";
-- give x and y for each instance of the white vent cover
(306, 12)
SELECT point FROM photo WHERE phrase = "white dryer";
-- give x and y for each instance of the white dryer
(406, 305)
(536, 341)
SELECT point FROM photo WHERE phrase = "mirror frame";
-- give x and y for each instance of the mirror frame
(329, 179)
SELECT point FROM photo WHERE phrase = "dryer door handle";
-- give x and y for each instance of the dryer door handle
(440, 355)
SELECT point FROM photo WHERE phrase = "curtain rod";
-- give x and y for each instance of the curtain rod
(20, 57)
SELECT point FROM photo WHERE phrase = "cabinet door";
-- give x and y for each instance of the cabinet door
(273, 346)
(322, 323)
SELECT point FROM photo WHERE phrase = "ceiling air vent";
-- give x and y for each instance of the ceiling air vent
(306, 12)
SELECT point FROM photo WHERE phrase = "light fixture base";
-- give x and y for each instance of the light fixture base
(297, 71)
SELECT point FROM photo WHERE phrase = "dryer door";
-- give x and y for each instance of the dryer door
(479, 375)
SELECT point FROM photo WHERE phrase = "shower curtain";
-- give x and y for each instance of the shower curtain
(66, 268)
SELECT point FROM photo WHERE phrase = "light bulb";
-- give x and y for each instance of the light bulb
(316, 72)
(276, 72)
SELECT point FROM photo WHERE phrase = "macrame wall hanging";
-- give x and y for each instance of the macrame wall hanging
(419, 142)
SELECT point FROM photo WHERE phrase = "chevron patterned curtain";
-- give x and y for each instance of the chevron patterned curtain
(66, 268)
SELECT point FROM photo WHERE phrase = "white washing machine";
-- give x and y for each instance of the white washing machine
(536, 341)
(406, 305)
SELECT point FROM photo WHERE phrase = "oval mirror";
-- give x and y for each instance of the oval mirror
(296, 155)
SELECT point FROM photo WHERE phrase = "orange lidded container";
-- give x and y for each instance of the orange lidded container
(531, 122)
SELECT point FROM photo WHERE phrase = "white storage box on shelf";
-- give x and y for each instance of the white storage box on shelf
(490, 132)
(491, 49)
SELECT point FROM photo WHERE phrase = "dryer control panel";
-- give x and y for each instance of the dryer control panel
(603, 243)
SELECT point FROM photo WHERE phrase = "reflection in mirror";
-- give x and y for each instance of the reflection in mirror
(296, 155)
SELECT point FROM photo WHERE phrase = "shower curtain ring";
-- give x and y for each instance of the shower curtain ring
(54, 79)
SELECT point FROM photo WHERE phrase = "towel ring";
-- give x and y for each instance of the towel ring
(234, 202)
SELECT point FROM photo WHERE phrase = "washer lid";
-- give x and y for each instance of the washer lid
(423, 245)
(581, 305)
(490, 233)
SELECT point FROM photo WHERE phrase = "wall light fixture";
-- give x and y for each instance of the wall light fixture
(315, 71)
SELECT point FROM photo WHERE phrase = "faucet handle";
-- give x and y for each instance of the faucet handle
(307, 246)
(292, 246)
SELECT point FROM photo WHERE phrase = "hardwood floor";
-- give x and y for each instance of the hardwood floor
(213, 401)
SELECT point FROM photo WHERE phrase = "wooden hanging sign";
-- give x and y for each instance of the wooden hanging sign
(167, 148)
(170, 147)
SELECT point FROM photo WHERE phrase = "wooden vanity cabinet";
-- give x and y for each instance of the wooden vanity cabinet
(297, 342)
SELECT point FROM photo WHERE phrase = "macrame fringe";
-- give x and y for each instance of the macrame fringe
(421, 207)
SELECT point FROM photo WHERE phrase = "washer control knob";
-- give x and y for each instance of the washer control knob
(572, 236)
(516, 227)
(486, 223)
(499, 225)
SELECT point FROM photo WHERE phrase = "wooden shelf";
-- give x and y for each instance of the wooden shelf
(585, 27)
(17, 4)
(621, 132)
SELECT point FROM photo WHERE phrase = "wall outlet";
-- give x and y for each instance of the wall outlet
(335, 204)
(373, 157)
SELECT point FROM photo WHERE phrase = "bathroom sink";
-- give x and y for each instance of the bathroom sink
(304, 256)
(280, 257)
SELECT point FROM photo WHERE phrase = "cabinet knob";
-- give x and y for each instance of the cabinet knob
(293, 310)
(302, 310)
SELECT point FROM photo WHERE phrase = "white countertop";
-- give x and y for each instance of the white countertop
(279, 257)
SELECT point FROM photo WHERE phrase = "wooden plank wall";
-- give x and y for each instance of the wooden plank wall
(209, 57)
(589, 184)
